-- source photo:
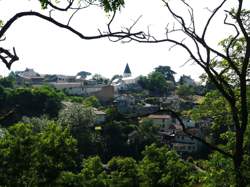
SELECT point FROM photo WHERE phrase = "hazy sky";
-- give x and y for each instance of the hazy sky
(49, 49)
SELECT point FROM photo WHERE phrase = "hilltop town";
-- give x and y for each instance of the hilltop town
(141, 98)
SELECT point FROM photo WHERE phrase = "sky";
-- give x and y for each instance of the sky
(51, 50)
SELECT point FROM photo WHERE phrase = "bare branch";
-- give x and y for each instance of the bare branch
(61, 9)
(239, 20)
(7, 57)
(1, 40)
(175, 115)
(211, 17)
(72, 15)
(120, 34)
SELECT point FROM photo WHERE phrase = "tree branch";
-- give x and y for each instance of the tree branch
(175, 115)
(13, 57)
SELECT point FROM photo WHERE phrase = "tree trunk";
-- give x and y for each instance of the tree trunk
(238, 158)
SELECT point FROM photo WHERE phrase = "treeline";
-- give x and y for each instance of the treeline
(48, 157)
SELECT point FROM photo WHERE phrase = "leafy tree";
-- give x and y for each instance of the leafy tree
(38, 123)
(114, 139)
(7, 82)
(91, 101)
(30, 102)
(163, 167)
(155, 83)
(75, 99)
(76, 117)
(115, 77)
(219, 168)
(70, 179)
(28, 158)
(83, 74)
(18, 157)
(122, 172)
(185, 90)
(93, 173)
(167, 72)
(80, 121)
(100, 79)
(143, 134)
(57, 153)
(215, 108)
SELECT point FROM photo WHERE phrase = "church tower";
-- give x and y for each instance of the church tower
(127, 72)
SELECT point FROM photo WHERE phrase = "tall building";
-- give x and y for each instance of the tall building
(127, 72)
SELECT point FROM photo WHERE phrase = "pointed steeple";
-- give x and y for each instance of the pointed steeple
(127, 72)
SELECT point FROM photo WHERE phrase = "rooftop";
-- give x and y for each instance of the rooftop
(127, 69)
(152, 116)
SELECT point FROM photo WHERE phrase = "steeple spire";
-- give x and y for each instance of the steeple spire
(127, 72)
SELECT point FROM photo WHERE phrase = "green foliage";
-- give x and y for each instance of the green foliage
(1, 23)
(114, 139)
(155, 83)
(75, 99)
(7, 82)
(100, 79)
(57, 152)
(80, 121)
(144, 134)
(185, 90)
(116, 77)
(167, 72)
(28, 158)
(83, 74)
(18, 157)
(112, 5)
(108, 5)
(92, 101)
(44, 3)
(215, 107)
(162, 167)
(218, 171)
(123, 172)
(30, 102)
(38, 123)
(69, 179)
(159, 82)
(76, 117)
(93, 172)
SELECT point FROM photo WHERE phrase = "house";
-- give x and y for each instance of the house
(171, 133)
(187, 80)
(106, 94)
(183, 143)
(72, 88)
(163, 120)
(60, 78)
(125, 103)
(29, 76)
(188, 123)
(100, 116)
